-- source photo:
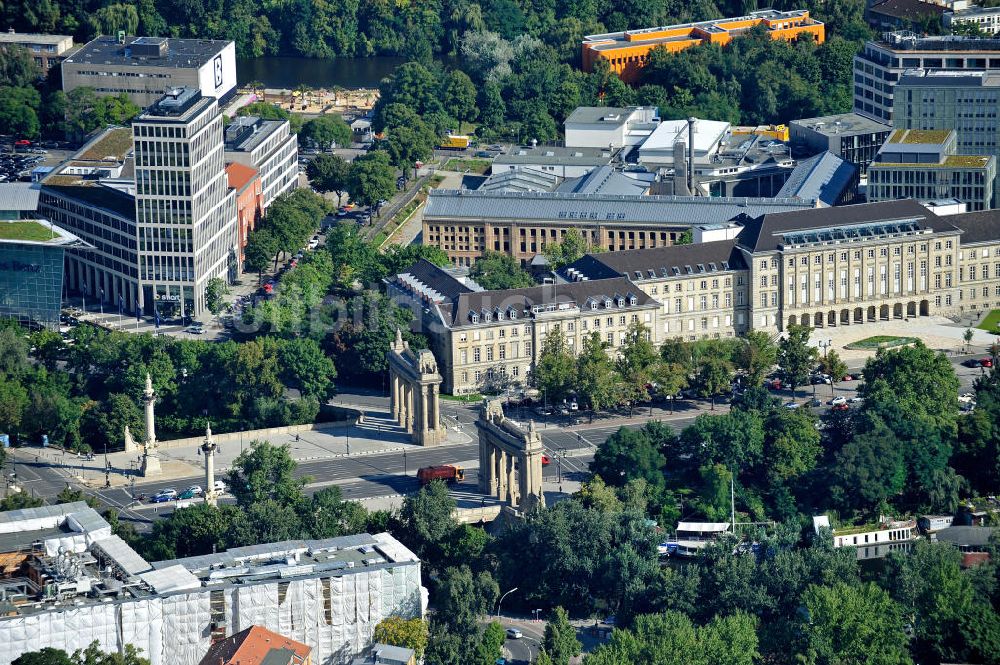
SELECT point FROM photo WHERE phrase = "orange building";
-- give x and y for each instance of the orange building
(258, 646)
(249, 198)
(627, 52)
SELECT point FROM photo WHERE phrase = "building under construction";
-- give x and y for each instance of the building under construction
(66, 582)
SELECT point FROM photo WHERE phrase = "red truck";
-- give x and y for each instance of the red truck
(446, 472)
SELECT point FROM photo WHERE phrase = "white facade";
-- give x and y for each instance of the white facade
(185, 211)
(658, 150)
(329, 594)
(986, 18)
(600, 127)
(268, 146)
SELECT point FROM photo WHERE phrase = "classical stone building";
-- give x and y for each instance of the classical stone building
(849, 265)
(414, 392)
(486, 339)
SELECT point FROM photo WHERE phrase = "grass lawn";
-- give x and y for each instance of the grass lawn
(992, 322)
(26, 230)
(477, 166)
(880, 341)
(435, 181)
(474, 397)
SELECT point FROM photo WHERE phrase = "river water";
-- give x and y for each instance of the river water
(289, 72)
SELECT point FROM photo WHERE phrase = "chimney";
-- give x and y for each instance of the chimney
(690, 166)
(680, 170)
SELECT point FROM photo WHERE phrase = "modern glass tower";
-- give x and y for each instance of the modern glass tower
(185, 211)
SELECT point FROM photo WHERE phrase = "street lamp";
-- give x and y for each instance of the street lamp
(825, 344)
(404, 463)
(500, 602)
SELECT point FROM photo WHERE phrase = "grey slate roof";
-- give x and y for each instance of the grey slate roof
(966, 535)
(604, 180)
(672, 261)
(20, 196)
(550, 206)
(521, 180)
(824, 176)
(764, 233)
(983, 226)
(435, 279)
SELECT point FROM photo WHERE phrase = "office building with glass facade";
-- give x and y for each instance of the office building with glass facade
(31, 270)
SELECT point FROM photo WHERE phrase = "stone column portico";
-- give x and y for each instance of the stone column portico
(415, 393)
(511, 459)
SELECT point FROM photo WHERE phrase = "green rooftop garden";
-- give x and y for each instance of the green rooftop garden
(26, 230)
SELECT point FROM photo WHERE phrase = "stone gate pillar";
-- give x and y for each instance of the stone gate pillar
(416, 384)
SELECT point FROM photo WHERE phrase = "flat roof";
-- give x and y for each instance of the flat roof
(707, 134)
(919, 136)
(181, 53)
(37, 232)
(114, 143)
(906, 41)
(556, 155)
(633, 37)
(934, 78)
(600, 115)
(599, 208)
(32, 38)
(841, 123)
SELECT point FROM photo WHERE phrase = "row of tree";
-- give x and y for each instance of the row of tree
(82, 395)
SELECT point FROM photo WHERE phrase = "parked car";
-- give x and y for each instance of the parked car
(855, 400)
(971, 362)
(847, 377)
(986, 362)
(815, 401)
(164, 495)
(220, 487)
(836, 401)
(514, 634)
(545, 460)
(792, 405)
(840, 407)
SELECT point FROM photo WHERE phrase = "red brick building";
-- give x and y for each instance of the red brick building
(249, 198)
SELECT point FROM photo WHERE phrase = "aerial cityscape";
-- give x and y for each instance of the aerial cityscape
(500, 332)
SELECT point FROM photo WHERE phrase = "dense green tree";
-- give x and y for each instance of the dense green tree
(371, 179)
(758, 354)
(215, 292)
(19, 112)
(831, 364)
(329, 173)
(407, 146)
(555, 373)
(849, 624)
(795, 356)
(568, 249)
(597, 383)
(44, 656)
(103, 425)
(262, 247)
(498, 270)
(490, 646)
(17, 67)
(560, 641)
(714, 377)
(427, 522)
(399, 632)
(868, 471)
(459, 96)
(639, 365)
(326, 131)
(629, 453)
(264, 471)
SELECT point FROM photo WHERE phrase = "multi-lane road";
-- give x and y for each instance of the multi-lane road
(570, 445)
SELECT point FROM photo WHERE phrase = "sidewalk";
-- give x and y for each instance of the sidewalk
(376, 435)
